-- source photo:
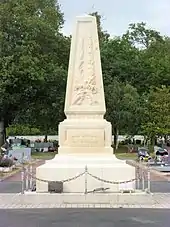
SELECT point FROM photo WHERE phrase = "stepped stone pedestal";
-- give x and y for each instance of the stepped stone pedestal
(85, 136)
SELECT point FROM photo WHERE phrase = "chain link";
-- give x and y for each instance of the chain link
(63, 181)
(110, 182)
(81, 174)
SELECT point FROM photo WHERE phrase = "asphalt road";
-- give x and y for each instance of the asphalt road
(10, 186)
(13, 183)
(85, 217)
(15, 187)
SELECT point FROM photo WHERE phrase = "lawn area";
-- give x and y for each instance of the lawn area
(127, 156)
(43, 155)
(50, 155)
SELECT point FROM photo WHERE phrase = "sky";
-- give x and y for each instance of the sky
(118, 14)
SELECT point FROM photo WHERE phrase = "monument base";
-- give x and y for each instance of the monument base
(85, 136)
(106, 167)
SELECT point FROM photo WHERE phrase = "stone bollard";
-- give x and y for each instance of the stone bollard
(22, 181)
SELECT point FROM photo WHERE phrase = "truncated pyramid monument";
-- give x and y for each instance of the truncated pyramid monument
(85, 137)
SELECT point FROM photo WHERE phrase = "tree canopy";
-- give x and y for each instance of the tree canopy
(34, 58)
(157, 112)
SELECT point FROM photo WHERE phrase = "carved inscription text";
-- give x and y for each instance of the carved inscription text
(85, 141)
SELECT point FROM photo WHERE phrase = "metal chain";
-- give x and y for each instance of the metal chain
(110, 182)
(81, 174)
(63, 181)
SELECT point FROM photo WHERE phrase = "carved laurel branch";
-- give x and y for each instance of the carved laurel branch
(85, 91)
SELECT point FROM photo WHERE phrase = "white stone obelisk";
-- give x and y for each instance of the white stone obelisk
(85, 130)
(85, 137)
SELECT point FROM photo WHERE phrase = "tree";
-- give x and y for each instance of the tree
(123, 108)
(158, 57)
(157, 113)
(152, 57)
(32, 48)
(140, 57)
(103, 35)
(140, 36)
(47, 112)
(24, 130)
(119, 60)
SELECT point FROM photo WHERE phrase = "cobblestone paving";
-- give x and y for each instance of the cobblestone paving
(18, 201)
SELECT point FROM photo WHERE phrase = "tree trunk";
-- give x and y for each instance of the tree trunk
(115, 135)
(145, 141)
(166, 139)
(152, 143)
(153, 140)
(2, 132)
(46, 137)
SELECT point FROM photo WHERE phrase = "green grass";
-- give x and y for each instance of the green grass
(50, 155)
(122, 149)
(132, 156)
(122, 153)
(43, 155)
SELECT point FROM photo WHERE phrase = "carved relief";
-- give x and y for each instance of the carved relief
(85, 89)
(81, 65)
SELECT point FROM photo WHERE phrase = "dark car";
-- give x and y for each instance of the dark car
(143, 154)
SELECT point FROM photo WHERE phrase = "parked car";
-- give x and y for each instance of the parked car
(161, 154)
(143, 154)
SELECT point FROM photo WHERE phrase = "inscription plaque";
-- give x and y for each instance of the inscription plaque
(85, 138)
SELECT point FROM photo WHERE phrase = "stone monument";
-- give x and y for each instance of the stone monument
(85, 137)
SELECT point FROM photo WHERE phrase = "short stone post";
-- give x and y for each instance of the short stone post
(143, 180)
(137, 177)
(31, 180)
(22, 181)
(85, 180)
(22, 175)
(26, 180)
(149, 180)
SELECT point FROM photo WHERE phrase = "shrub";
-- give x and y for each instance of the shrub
(17, 129)
(6, 163)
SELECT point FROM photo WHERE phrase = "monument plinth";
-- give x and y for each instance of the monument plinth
(85, 137)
